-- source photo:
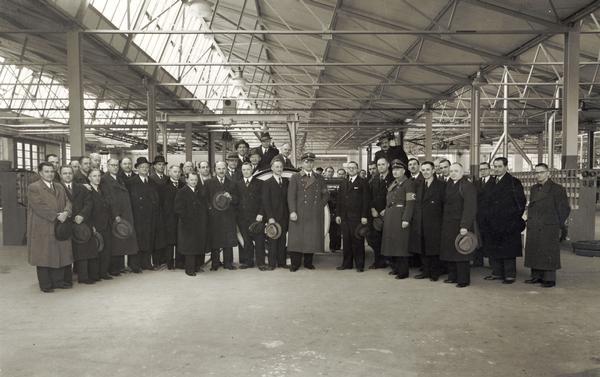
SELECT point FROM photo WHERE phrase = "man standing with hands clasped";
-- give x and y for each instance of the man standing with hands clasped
(352, 210)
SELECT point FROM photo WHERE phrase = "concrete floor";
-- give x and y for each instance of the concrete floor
(309, 323)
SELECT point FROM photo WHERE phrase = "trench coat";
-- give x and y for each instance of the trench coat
(117, 195)
(400, 204)
(426, 226)
(308, 198)
(222, 224)
(43, 207)
(548, 210)
(505, 208)
(191, 208)
(460, 208)
(82, 205)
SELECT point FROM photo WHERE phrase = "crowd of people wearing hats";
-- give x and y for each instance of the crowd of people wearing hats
(428, 215)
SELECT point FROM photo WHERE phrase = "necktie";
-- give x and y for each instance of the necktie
(279, 181)
(68, 186)
(247, 182)
(221, 180)
(52, 187)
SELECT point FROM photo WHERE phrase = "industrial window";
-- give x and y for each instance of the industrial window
(28, 155)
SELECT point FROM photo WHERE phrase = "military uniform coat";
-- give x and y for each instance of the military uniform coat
(308, 198)
(274, 201)
(426, 226)
(170, 220)
(43, 206)
(400, 206)
(506, 206)
(460, 208)
(191, 208)
(548, 210)
(146, 212)
(82, 205)
(117, 195)
(222, 224)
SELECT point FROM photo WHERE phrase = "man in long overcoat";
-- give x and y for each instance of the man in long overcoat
(307, 197)
(160, 179)
(485, 185)
(222, 223)
(275, 205)
(173, 257)
(47, 203)
(547, 212)
(353, 210)
(250, 209)
(378, 192)
(506, 207)
(460, 208)
(117, 195)
(426, 226)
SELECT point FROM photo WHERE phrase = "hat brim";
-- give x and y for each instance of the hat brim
(124, 224)
(474, 244)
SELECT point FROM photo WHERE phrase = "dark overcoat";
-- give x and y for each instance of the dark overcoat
(460, 208)
(274, 199)
(379, 189)
(101, 218)
(169, 215)
(146, 212)
(266, 158)
(222, 224)
(191, 208)
(82, 205)
(353, 200)
(250, 202)
(43, 206)
(160, 240)
(307, 196)
(117, 195)
(505, 208)
(80, 178)
(484, 190)
(400, 206)
(426, 227)
(548, 210)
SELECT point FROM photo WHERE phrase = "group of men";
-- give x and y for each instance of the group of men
(170, 218)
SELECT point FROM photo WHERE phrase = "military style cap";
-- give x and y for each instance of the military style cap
(398, 164)
(231, 156)
(308, 156)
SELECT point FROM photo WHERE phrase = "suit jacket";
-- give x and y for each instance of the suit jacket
(378, 191)
(80, 178)
(121, 174)
(222, 224)
(353, 200)
(274, 201)
(265, 158)
(287, 163)
(146, 209)
(236, 175)
(43, 206)
(250, 204)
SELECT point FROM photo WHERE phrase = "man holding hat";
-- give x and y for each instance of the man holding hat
(266, 151)
(223, 200)
(389, 152)
(249, 211)
(161, 180)
(352, 211)
(307, 198)
(145, 205)
(85, 253)
(275, 205)
(115, 190)
(460, 208)
(47, 204)
(378, 191)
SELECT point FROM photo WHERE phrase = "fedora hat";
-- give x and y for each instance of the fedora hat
(466, 244)
(361, 231)
(221, 202)
(63, 231)
(231, 156)
(378, 224)
(158, 159)
(265, 136)
(141, 160)
(122, 229)
(99, 241)
(82, 233)
(257, 227)
(273, 231)
(385, 136)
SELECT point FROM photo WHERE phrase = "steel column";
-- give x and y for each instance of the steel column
(540, 148)
(211, 151)
(505, 115)
(76, 106)
(188, 142)
(428, 133)
(165, 140)
(570, 115)
(151, 119)
(590, 149)
(475, 124)
(293, 127)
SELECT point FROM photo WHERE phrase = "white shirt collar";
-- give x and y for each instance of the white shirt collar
(49, 184)
(352, 179)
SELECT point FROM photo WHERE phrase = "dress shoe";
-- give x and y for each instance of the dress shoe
(230, 267)
(401, 277)
(360, 270)
(89, 282)
(64, 286)
(392, 272)
(492, 277)
(284, 266)
(214, 268)
(448, 281)
(265, 268)
(340, 268)
(199, 269)
(508, 281)
(310, 267)
(548, 284)
(421, 276)
(47, 290)
(462, 285)
(434, 278)
(243, 266)
(115, 274)
(107, 277)
(533, 281)
(136, 270)
(294, 269)
(190, 273)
